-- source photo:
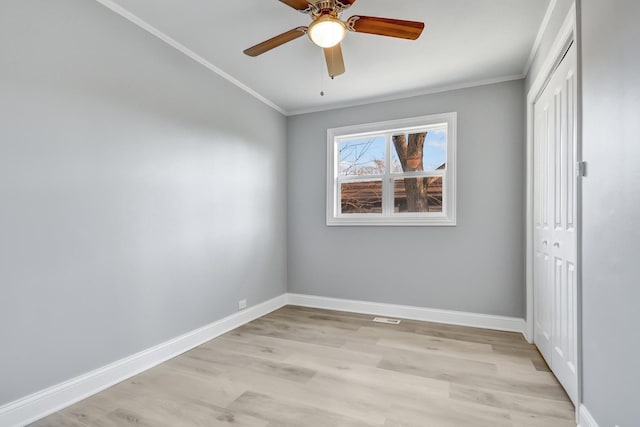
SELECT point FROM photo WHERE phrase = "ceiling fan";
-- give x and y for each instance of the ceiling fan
(327, 30)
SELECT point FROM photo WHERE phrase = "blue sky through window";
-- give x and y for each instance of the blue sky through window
(365, 156)
(435, 150)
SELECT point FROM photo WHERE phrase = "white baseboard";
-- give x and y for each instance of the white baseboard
(486, 321)
(59, 396)
(42, 403)
(586, 419)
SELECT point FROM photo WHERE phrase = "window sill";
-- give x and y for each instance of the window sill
(386, 221)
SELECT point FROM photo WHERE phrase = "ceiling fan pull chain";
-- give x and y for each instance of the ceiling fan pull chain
(333, 61)
(321, 76)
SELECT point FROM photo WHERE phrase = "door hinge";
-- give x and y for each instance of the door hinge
(581, 169)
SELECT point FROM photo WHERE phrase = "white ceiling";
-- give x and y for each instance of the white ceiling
(464, 42)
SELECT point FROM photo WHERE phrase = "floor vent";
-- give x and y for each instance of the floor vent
(385, 320)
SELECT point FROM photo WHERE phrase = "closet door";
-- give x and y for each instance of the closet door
(544, 131)
(555, 233)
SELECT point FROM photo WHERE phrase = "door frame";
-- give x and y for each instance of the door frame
(566, 35)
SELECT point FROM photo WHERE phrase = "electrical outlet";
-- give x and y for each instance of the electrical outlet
(242, 304)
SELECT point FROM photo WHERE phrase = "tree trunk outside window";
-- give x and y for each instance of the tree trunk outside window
(410, 154)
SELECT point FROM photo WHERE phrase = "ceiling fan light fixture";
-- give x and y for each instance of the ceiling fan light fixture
(327, 31)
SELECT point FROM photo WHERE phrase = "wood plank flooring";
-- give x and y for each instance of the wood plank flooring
(302, 367)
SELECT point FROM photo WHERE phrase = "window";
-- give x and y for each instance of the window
(400, 172)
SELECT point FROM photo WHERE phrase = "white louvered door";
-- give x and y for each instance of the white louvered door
(555, 231)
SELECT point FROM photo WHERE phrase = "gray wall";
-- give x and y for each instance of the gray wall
(558, 16)
(477, 266)
(611, 209)
(141, 196)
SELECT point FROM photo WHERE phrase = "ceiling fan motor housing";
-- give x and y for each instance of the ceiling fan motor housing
(324, 7)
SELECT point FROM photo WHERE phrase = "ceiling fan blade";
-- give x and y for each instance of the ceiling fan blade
(335, 60)
(276, 41)
(301, 5)
(386, 27)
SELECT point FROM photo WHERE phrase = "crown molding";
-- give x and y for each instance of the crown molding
(109, 4)
(543, 29)
(131, 17)
(410, 94)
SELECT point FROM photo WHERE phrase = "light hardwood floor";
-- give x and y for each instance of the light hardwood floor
(302, 367)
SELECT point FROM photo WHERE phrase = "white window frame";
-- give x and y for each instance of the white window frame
(445, 218)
